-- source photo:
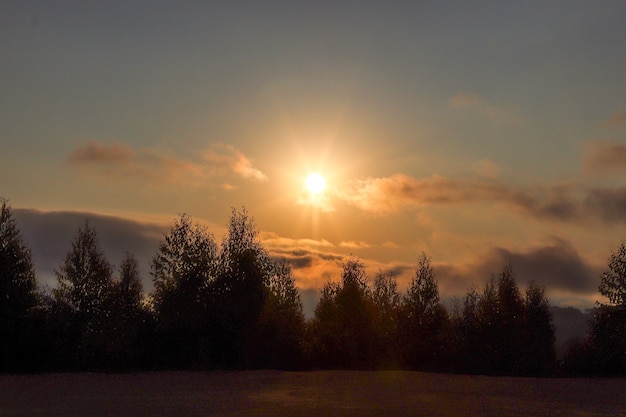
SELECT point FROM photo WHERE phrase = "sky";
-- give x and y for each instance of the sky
(481, 133)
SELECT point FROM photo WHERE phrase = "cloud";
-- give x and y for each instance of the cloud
(50, 236)
(354, 245)
(604, 157)
(226, 157)
(556, 265)
(566, 203)
(471, 101)
(607, 203)
(119, 161)
(618, 118)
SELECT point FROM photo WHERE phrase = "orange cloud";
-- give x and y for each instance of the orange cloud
(354, 245)
(569, 203)
(121, 161)
(222, 156)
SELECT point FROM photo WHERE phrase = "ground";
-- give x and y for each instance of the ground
(324, 393)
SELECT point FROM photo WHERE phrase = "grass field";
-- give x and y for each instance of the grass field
(325, 393)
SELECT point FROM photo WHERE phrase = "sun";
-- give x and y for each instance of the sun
(315, 183)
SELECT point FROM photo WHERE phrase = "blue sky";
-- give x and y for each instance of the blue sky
(479, 132)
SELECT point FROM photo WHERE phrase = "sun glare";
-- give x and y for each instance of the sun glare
(315, 183)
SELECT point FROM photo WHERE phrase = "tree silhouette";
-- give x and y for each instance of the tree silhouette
(84, 295)
(386, 300)
(238, 294)
(18, 295)
(128, 314)
(343, 328)
(423, 321)
(253, 304)
(613, 282)
(538, 335)
(281, 323)
(608, 327)
(185, 264)
(470, 349)
(508, 322)
(499, 332)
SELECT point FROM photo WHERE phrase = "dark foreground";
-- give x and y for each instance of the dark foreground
(328, 393)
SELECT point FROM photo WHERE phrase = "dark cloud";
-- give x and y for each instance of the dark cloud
(50, 236)
(607, 203)
(297, 262)
(556, 266)
(566, 203)
(331, 257)
(398, 270)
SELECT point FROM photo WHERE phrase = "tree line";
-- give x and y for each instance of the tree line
(231, 306)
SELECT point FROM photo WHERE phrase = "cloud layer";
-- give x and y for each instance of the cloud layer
(50, 236)
(567, 203)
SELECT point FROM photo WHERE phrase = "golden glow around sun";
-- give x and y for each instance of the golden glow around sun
(315, 183)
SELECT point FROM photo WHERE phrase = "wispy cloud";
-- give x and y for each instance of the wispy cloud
(604, 157)
(120, 161)
(567, 203)
(226, 157)
(495, 113)
(354, 245)
(618, 118)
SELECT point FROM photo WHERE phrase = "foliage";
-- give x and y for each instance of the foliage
(607, 341)
(184, 265)
(539, 357)
(84, 296)
(128, 313)
(423, 320)
(386, 303)
(250, 302)
(18, 294)
(500, 332)
(613, 281)
(233, 306)
(343, 328)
